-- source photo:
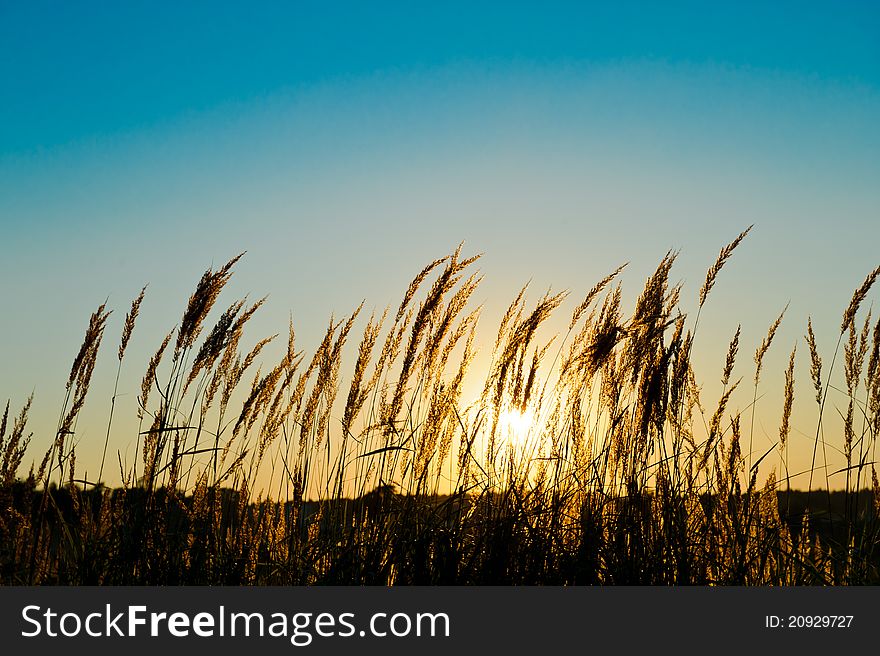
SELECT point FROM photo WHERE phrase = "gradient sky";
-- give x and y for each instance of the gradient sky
(345, 146)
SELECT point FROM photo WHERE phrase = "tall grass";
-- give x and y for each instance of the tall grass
(587, 457)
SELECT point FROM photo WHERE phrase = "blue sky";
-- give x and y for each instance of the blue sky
(75, 71)
(344, 146)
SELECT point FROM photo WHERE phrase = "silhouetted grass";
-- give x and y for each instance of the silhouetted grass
(588, 457)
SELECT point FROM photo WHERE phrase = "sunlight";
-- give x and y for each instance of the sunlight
(516, 424)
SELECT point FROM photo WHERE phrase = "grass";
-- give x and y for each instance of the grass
(587, 458)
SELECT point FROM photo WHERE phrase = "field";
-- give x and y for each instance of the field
(587, 457)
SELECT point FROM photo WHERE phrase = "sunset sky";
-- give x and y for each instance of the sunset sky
(344, 147)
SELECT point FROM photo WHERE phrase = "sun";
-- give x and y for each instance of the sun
(516, 424)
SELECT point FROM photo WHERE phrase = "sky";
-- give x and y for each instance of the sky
(344, 146)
